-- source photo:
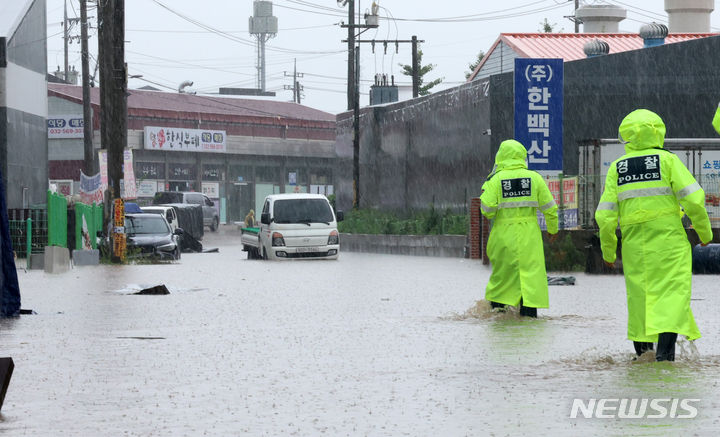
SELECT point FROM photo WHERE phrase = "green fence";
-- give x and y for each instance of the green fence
(93, 222)
(28, 229)
(57, 219)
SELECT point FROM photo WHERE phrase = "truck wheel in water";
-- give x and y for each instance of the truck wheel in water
(215, 224)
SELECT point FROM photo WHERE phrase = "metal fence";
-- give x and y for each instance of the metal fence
(18, 220)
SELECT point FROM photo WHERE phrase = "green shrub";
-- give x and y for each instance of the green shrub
(563, 256)
(429, 222)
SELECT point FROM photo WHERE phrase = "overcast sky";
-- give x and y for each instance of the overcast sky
(169, 41)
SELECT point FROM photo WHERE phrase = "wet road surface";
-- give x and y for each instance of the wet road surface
(367, 345)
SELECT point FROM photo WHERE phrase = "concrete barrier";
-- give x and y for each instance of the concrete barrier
(86, 257)
(37, 261)
(57, 259)
(418, 245)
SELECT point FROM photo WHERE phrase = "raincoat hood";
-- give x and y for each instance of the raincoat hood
(642, 129)
(510, 155)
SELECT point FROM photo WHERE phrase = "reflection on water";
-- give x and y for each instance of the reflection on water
(367, 345)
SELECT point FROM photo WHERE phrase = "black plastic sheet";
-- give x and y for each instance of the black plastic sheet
(706, 259)
(190, 219)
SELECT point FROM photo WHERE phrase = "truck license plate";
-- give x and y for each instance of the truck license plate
(306, 249)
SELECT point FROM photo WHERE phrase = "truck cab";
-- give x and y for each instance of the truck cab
(298, 225)
(166, 211)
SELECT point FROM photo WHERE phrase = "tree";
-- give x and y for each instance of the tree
(473, 65)
(546, 27)
(423, 90)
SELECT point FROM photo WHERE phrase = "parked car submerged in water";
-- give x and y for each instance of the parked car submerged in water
(150, 235)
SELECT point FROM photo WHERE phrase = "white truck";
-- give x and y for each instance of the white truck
(294, 226)
(167, 211)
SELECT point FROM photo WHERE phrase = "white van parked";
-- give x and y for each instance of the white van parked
(296, 226)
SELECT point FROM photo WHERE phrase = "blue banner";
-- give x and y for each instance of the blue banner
(539, 111)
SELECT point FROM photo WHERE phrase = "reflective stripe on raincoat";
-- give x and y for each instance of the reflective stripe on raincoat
(511, 197)
(643, 192)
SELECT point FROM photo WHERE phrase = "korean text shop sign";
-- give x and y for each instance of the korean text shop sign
(539, 111)
(65, 126)
(185, 140)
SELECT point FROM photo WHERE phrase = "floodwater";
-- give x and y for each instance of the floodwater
(369, 345)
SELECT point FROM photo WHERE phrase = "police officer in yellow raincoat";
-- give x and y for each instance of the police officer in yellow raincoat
(716, 120)
(511, 196)
(642, 192)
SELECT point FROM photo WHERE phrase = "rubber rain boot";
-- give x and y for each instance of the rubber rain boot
(666, 346)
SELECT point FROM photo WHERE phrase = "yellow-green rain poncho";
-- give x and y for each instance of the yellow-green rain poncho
(642, 192)
(716, 120)
(511, 196)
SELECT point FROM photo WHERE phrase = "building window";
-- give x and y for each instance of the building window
(213, 172)
(182, 172)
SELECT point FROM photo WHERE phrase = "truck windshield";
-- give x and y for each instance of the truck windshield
(163, 197)
(146, 224)
(302, 211)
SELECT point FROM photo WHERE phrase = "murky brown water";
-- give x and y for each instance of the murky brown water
(368, 345)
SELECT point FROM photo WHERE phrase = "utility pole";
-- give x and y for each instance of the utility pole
(353, 90)
(66, 38)
(113, 82)
(89, 161)
(415, 67)
(113, 107)
(577, 23)
(351, 56)
(295, 87)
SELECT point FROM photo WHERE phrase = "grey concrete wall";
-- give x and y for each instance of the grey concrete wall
(27, 47)
(27, 165)
(23, 111)
(430, 149)
(419, 245)
(433, 148)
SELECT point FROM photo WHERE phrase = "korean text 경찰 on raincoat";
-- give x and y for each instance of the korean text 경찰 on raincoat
(644, 190)
(511, 198)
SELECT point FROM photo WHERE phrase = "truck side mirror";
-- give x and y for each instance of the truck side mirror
(340, 216)
(265, 218)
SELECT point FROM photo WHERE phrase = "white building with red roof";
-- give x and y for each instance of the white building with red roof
(500, 58)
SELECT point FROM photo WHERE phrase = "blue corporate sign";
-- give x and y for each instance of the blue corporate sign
(539, 111)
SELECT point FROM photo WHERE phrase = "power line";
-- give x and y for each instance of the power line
(233, 37)
(483, 16)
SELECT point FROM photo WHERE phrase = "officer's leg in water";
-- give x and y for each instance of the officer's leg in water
(642, 347)
(527, 311)
(666, 346)
(501, 307)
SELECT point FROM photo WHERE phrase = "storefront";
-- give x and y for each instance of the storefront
(235, 158)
